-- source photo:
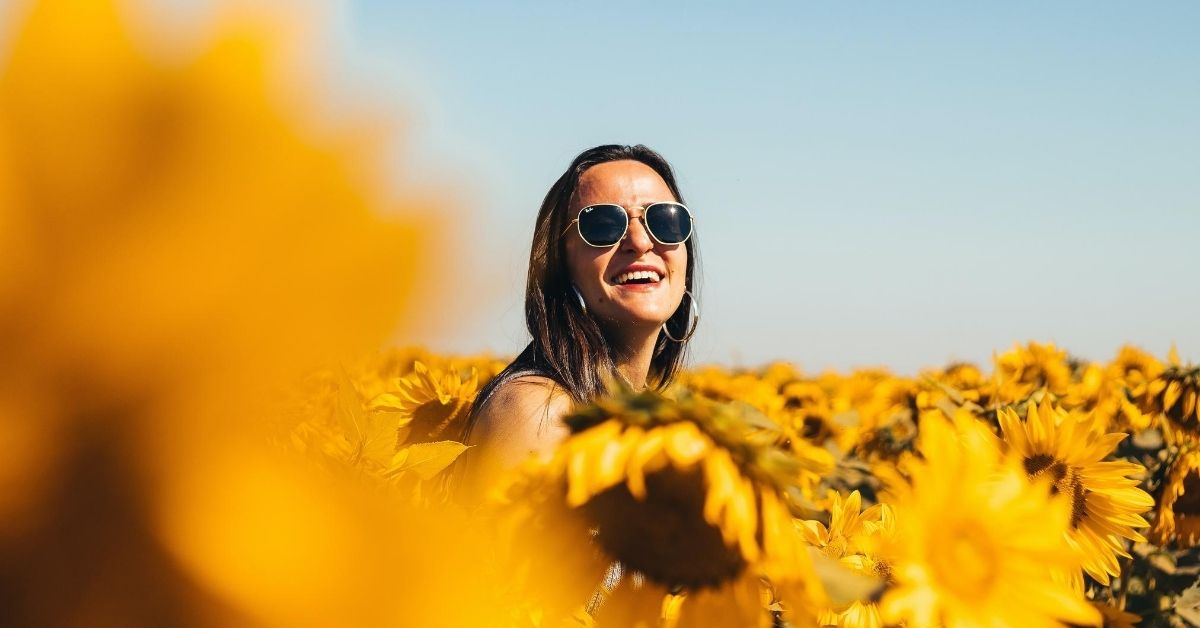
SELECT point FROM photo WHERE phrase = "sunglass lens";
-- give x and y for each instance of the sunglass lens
(602, 225)
(669, 222)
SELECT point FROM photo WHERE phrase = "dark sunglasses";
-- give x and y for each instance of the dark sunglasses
(605, 224)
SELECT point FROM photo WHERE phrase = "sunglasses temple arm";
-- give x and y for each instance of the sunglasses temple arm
(568, 228)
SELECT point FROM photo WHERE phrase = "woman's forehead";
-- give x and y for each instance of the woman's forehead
(624, 182)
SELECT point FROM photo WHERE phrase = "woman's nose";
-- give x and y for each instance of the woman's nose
(637, 240)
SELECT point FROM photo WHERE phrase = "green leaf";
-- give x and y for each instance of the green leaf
(947, 407)
(1187, 605)
(849, 418)
(955, 394)
(425, 459)
(386, 402)
(1148, 439)
(372, 434)
(753, 417)
(841, 584)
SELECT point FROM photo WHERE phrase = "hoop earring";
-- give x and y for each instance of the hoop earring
(694, 309)
(582, 305)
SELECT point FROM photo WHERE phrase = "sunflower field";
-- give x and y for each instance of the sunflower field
(1047, 491)
(199, 427)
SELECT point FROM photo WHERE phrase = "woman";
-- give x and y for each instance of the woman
(612, 263)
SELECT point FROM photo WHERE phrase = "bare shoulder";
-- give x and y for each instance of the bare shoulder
(522, 416)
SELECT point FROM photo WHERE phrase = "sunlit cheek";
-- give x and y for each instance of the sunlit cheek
(587, 273)
(598, 277)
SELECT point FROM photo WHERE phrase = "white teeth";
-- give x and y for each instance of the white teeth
(638, 274)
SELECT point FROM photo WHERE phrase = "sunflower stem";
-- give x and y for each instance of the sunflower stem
(1126, 565)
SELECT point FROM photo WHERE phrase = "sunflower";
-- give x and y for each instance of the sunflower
(965, 552)
(1106, 504)
(877, 411)
(1175, 394)
(1178, 514)
(809, 414)
(687, 492)
(640, 603)
(964, 376)
(408, 434)
(784, 409)
(544, 546)
(183, 234)
(854, 538)
(959, 382)
(851, 529)
(431, 404)
(779, 374)
(1023, 370)
(1133, 369)
(737, 387)
(1108, 391)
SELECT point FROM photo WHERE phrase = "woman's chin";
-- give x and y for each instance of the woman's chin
(635, 319)
(640, 305)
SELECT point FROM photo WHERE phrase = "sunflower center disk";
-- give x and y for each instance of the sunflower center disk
(1189, 502)
(665, 536)
(1065, 480)
(431, 420)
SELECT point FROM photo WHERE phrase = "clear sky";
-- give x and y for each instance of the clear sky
(899, 184)
(875, 183)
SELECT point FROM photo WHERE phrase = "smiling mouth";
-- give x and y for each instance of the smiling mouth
(637, 277)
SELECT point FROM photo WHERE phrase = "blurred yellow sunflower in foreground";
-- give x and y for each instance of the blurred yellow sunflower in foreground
(1106, 503)
(977, 544)
(182, 236)
(1178, 515)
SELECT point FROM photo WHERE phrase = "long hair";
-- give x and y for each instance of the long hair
(567, 345)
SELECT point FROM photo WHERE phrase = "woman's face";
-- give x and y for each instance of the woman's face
(602, 274)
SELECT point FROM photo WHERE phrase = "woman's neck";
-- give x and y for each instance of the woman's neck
(633, 358)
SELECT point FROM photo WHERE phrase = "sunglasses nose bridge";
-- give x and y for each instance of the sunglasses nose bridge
(638, 216)
(639, 237)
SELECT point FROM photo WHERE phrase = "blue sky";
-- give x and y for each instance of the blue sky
(898, 184)
(875, 183)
